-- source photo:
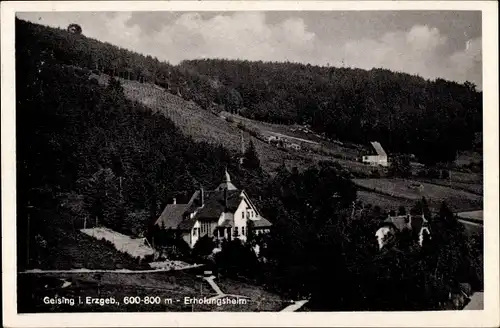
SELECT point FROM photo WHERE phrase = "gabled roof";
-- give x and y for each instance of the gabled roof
(261, 223)
(171, 216)
(187, 223)
(378, 148)
(225, 198)
(402, 222)
(215, 204)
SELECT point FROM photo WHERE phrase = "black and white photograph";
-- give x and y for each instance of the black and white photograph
(271, 159)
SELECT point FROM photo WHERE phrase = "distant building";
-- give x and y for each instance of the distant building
(293, 146)
(394, 224)
(223, 213)
(273, 139)
(379, 158)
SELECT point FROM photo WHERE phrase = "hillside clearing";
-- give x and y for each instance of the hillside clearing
(203, 125)
(69, 249)
(384, 201)
(135, 247)
(199, 124)
(474, 188)
(458, 200)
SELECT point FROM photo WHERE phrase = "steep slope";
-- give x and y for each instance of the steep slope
(431, 119)
(207, 126)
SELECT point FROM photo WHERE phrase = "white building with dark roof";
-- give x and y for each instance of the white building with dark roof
(378, 157)
(392, 225)
(223, 213)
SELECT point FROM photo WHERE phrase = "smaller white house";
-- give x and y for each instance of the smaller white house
(378, 157)
(389, 228)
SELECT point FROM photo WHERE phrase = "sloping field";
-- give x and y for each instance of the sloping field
(475, 188)
(458, 200)
(174, 286)
(135, 247)
(384, 201)
(473, 216)
(309, 140)
(472, 228)
(202, 125)
(73, 250)
(463, 177)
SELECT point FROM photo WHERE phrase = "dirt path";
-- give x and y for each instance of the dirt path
(38, 271)
(295, 306)
(214, 286)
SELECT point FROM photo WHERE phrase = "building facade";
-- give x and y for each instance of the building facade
(223, 213)
(379, 158)
(388, 230)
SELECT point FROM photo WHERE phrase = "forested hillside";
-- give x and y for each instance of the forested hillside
(84, 150)
(431, 119)
(406, 113)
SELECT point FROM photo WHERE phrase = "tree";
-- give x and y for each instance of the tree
(75, 29)
(251, 159)
(400, 167)
(401, 210)
(102, 199)
(114, 85)
(421, 207)
(204, 246)
(237, 258)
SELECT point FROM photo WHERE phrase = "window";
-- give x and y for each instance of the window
(243, 231)
(242, 215)
(236, 232)
(205, 228)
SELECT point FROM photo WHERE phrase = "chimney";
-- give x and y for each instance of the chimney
(174, 201)
(202, 196)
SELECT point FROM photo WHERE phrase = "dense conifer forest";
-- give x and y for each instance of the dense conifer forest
(85, 151)
(408, 114)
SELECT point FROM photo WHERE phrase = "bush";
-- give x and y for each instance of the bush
(204, 246)
(241, 126)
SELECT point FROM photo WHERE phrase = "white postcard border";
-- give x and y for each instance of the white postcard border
(489, 317)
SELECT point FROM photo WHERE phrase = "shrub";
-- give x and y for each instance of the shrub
(204, 246)
(241, 126)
